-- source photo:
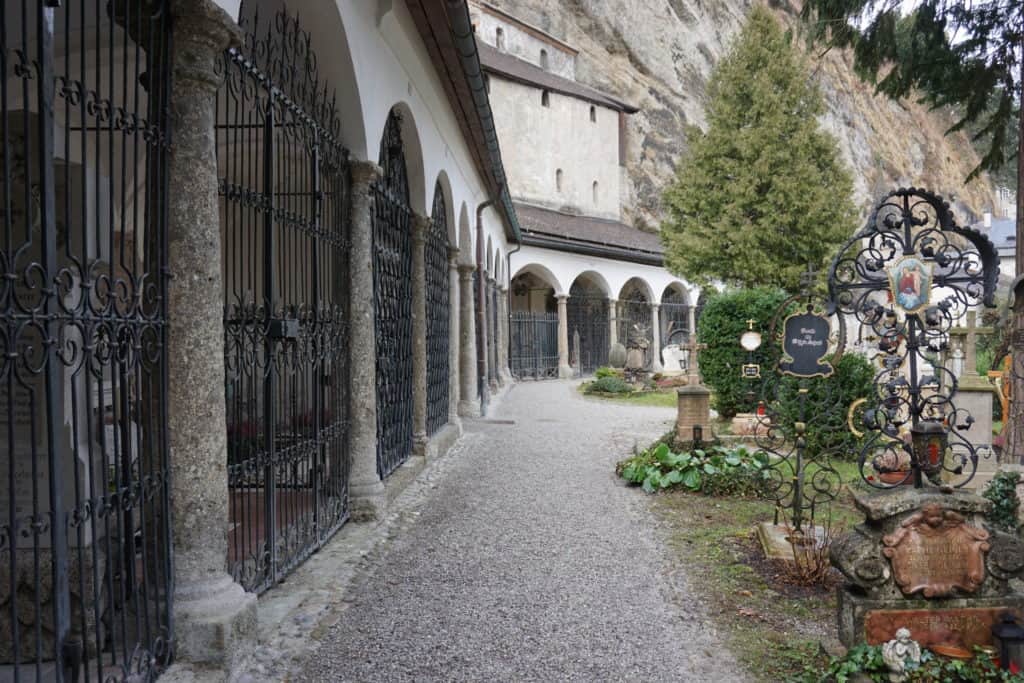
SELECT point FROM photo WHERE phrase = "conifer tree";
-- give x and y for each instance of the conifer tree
(763, 193)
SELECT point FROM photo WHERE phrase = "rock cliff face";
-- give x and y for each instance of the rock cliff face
(658, 55)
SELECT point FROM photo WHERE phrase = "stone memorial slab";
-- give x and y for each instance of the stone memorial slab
(963, 628)
(937, 553)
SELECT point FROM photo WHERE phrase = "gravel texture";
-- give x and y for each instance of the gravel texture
(529, 561)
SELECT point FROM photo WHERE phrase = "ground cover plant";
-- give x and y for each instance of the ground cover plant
(866, 661)
(1002, 491)
(716, 471)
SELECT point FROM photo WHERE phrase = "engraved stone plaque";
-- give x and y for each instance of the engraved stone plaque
(936, 552)
(962, 628)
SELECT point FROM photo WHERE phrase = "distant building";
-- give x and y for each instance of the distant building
(581, 272)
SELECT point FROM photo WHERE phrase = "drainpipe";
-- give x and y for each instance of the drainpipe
(481, 311)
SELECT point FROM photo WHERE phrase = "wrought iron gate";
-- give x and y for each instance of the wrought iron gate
(284, 207)
(437, 291)
(392, 297)
(492, 332)
(533, 345)
(632, 312)
(85, 551)
(587, 312)
(675, 319)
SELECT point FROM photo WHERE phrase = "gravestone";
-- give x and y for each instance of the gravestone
(923, 559)
(636, 351)
(673, 360)
(694, 400)
(974, 395)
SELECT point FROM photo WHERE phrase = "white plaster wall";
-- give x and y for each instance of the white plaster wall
(523, 45)
(560, 269)
(538, 140)
(373, 57)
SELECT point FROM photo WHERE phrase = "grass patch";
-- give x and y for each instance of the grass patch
(774, 629)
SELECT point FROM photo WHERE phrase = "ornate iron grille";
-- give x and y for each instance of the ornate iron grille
(533, 345)
(392, 296)
(636, 311)
(492, 332)
(84, 520)
(284, 206)
(436, 261)
(587, 312)
(675, 319)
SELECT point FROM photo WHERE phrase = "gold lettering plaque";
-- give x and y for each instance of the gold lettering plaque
(937, 552)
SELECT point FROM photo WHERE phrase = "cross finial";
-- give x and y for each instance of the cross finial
(693, 365)
(808, 278)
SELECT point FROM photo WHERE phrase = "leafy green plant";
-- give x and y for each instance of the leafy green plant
(605, 371)
(866, 661)
(716, 472)
(608, 385)
(1002, 491)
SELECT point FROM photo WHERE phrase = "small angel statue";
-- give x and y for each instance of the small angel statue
(899, 653)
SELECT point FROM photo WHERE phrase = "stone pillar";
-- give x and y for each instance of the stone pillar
(215, 619)
(691, 314)
(492, 338)
(506, 371)
(366, 490)
(420, 226)
(453, 337)
(469, 399)
(974, 395)
(693, 410)
(564, 369)
(656, 338)
(613, 322)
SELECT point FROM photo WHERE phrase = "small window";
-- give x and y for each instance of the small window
(594, 191)
(544, 59)
(545, 99)
(558, 180)
(499, 38)
(593, 114)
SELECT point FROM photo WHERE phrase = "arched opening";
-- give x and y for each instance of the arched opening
(558, 180)
(392, 296)
(634, 316)
(594, 193)
(533, 324)
(589, 334)
(544, 59)
(545, 98)
(438, 307)
(675, 315)
(593, 114)
(499, 38)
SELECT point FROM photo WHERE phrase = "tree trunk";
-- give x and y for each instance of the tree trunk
(1014, 452)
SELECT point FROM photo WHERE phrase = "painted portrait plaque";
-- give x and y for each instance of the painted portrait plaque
(910, 280)
(805, 338)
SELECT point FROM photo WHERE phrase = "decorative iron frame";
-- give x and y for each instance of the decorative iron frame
(85, 522)
(963, 268)
(587, 314)
(392, 296)
(284, 191)
(533, 345)
(674, 316)
(438, 312)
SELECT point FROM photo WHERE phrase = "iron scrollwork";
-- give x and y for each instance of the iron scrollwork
(908, 276)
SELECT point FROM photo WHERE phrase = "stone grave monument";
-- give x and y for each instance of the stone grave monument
(636, 351)
(693, 418)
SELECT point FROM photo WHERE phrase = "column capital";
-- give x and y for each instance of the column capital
(202, 31)
(612, 300)
(466, 271)
(453, 255)
(562, 298)
(364, 174)
(655, 306)
(420, 227)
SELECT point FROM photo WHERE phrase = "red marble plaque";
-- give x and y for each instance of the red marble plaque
(937, 552)
(960, 628)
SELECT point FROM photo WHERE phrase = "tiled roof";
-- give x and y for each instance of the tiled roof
(535, 220)
(515, 69)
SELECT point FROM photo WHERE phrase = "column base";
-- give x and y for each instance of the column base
(469, 408)
(367, 501)
(455, 423)
(566, 372)
(420, 445)
(215, 623)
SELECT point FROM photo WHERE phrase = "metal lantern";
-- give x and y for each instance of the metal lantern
(751, 339)
(1009, 640)
(929, 441)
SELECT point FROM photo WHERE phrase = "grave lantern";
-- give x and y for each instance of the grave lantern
(1009, 640)
(751, 341)
(929, 440)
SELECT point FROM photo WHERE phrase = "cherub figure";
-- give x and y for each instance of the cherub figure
(901, 654)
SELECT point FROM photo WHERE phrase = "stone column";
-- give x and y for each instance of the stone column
(453, 337)
(613, 322)
(215, 618)
(691, 314)
(564, 369)
(469, 399)
(492, 338)
(366, 490)
(656, 338)
(506, 371)
(420, 226)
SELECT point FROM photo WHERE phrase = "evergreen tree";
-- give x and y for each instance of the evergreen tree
(762, 193)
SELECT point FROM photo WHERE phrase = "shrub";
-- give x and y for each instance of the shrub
(715, 472)
(1002, 491)
(605, 371)
(608, 385)
(722, 321)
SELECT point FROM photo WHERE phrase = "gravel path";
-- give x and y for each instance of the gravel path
(529, 562)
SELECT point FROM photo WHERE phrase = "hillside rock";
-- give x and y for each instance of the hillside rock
(658, 55)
